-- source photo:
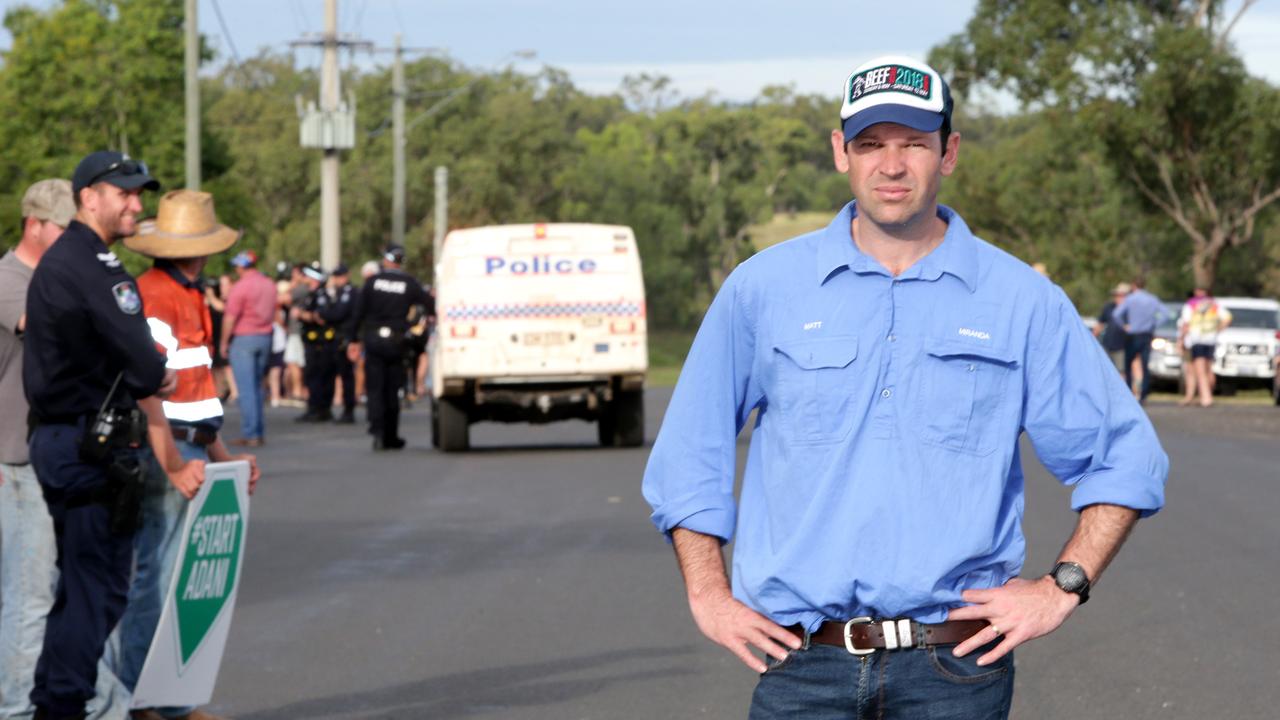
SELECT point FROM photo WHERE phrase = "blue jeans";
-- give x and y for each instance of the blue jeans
(823, 682)
(1138, 345)
(156, 551)
(28, 575)
(249, 355)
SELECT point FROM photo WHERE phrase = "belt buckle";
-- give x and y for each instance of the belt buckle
(848, 636)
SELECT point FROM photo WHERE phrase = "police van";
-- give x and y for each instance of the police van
(537, 323)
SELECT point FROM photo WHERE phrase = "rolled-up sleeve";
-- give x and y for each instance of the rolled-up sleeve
(1086, 427)
(690, 475)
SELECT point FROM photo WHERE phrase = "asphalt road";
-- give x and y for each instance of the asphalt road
(523, 580)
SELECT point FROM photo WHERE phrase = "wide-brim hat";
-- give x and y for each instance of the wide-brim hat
(184, 227)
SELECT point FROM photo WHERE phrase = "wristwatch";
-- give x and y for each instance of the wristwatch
(1072, 578)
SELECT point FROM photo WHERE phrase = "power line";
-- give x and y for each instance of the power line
(226, 33)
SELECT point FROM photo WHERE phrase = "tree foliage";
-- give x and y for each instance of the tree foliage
(1182, 123)
(1145, 147)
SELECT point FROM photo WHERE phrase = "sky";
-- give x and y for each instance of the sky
(729, 49)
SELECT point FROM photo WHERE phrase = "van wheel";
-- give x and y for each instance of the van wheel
(1275, 392)
(453, 426)
(628, 419)
(435, 423)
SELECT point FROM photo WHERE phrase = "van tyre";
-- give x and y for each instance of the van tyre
(435, 424)
(622, 423)
(452, 426)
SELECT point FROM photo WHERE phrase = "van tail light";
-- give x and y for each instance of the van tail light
(622, 327)
(462, 331)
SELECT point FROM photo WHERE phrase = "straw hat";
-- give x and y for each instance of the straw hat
(184, 227)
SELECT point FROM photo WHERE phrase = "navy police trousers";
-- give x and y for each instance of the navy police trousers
(93, 565)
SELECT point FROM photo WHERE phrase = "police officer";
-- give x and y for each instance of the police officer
(379, 325)
(338, 316)
(320, 341)
(87, 349)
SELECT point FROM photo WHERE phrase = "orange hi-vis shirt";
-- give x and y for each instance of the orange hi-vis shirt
(183, 330)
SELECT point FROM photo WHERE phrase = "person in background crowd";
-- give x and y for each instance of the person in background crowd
(378, 328)
(246, 341)
(1139, 314)
(368, 270)
(215, 297)
(295, 351)
(279, 343)
(890, 364)
(185, 232)
(320, 341)
(337, 315)
(28, 548)
(1112, 333)
(1201, 320)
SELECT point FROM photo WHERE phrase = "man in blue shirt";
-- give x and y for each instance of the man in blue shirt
(1139, 314)
(892, 360)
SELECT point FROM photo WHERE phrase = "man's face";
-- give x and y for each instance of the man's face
(113, 210)
(339, 281)
(895, 171)
(42, 234)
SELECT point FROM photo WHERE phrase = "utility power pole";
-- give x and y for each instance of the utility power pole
(193, 96)
(397, 144)
(331, 127)
(442, 212)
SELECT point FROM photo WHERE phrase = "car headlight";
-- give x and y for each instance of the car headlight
(1159, 343)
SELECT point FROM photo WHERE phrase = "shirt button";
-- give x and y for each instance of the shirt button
(893, 338)
(971, 367)
(886, 394)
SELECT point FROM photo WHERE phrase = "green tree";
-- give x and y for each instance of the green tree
(1183, 123)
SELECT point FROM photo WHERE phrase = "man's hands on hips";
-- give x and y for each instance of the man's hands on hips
(718, 614)
(739, 628)
(1021, 610)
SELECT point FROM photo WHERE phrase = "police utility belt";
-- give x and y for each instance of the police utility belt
(320, 335)
(112, 438)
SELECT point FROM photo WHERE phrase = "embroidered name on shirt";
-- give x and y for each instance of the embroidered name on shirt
(391, 286)
(813, 325)
(975, 334)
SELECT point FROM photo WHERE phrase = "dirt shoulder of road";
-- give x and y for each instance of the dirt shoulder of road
(1223, 419)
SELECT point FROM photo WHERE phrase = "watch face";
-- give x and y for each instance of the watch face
(1070, 577)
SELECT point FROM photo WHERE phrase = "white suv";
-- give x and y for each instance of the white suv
(1246, 352)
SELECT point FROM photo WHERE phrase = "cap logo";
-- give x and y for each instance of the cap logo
(890, 78)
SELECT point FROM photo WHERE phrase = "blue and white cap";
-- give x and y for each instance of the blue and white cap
(894, 89)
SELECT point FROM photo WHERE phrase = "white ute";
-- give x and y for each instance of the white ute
(537, 323)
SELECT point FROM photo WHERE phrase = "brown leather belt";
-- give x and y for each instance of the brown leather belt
(862, 636)
(194, 435)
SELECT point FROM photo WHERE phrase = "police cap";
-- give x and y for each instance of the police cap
(112, 167)
(394, 254)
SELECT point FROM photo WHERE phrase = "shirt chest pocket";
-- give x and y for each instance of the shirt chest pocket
(815, 383)
(965, 390)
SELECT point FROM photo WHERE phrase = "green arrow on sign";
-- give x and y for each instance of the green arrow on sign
(209, 566)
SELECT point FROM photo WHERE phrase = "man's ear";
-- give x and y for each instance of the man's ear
(838, 154)
(952, 155)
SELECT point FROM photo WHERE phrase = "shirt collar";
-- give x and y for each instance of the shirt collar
(957, 255)
(167, 267)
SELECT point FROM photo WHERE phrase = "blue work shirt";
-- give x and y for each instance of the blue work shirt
(1140, 311)
(883, 476)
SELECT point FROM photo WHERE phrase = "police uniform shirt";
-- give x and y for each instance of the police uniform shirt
(84, 326)
(319, 303)
(337, 312)
(384, 302)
